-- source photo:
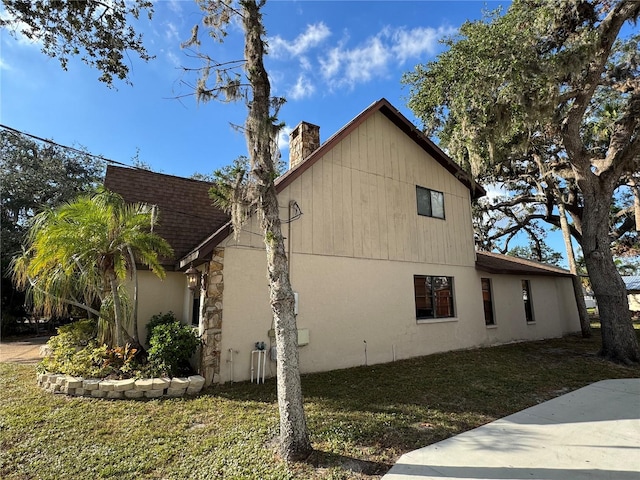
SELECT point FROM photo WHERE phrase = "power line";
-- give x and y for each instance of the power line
(51, 142)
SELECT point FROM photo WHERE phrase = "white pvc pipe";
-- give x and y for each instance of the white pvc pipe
(262, 361)
(230, 361)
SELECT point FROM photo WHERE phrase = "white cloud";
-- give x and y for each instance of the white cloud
(302, 89)
(171, 33)
(173, 59)
(344, 67)
(417, 42)
(174, 6)
(313, 36)
(5, 66)
(283, 137)
(17, 28)
(495, 190)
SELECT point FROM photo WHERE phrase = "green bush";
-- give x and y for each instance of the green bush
(159, 319)
(75, 351)
(171, 346)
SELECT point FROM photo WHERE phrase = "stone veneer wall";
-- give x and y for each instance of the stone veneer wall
(121, 389)
(211, 317)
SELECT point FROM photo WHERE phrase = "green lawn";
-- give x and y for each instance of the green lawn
(360, 419)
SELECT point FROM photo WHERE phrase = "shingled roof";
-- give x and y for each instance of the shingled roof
(186, 214)
(506, 264)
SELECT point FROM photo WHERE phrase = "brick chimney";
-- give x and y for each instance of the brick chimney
(303, 141)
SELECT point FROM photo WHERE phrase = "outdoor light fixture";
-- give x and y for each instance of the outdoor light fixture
(192, 278)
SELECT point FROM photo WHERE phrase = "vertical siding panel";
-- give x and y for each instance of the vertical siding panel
(347, 205)
(415, 238)
(346, 151)
(370, 146)
(387, 147)
(318, 225)
(306, 205)
(327, 207)
(410, 175)
(462, 232)
(383, 218)
(469, 249)
(296, 194)
(396, 154)
(356, 203)
(402, 225)
(363, 154)
(402, 164)
(337, 209)
(392, 213)
(453, 233)
(374, 201)
(366, 215)
(381, 128)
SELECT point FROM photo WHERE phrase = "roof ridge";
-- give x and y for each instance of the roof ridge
(152, 172)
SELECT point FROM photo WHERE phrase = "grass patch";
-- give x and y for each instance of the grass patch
(361, 419)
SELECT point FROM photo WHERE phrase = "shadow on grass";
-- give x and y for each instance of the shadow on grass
(392, 408)
(328, 460)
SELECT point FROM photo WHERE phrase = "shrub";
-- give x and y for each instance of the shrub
(171, 346)
(159, 319)
(75, 351)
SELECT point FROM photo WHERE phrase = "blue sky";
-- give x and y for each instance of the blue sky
(330, 59)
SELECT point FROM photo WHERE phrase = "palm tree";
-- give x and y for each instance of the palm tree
(83, 251)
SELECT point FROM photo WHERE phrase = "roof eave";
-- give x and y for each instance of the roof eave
(198, 254)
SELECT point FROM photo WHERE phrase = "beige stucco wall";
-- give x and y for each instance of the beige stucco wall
(554, 308)
(161, 295)
(354, 252)
(345, 302)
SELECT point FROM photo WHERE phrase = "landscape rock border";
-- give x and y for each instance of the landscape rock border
(121, 389)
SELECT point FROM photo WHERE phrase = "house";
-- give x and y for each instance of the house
(378, 230)
(632, 284)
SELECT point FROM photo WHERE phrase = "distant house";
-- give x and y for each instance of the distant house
(378, 230)
(632, 284)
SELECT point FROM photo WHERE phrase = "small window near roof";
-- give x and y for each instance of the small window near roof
(430, 202)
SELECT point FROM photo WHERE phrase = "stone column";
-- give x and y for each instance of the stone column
(211, 317)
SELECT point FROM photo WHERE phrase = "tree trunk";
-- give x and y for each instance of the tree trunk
(134, 273)
(585, 323)
(117, 308)
(619, 341)
(260, 133)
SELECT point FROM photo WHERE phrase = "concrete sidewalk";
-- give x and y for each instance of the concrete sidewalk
(25, 350)
(592, 433)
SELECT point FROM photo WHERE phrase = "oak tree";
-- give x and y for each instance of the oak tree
(550, 88)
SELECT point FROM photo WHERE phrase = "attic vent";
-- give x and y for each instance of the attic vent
(303, 141)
